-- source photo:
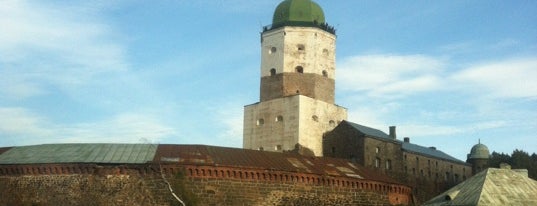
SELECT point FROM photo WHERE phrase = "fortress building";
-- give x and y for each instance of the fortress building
(298, 53)
(298, 147)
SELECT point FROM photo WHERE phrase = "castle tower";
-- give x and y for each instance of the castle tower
(297, 82)
(478, 157)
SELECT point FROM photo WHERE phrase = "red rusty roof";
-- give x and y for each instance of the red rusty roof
(254, 159)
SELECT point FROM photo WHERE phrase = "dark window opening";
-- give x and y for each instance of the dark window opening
(299, 69)
(272, 72)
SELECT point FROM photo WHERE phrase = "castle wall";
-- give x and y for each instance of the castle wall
(197, 185)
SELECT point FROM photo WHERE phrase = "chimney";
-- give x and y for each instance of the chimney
(407, 139)
(392, 132)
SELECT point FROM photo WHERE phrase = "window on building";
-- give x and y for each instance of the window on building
(377, 150)
(272, 50)
(447, 177)
(413, 171)
(333, 150)
(260, 122)
(332, 123)
(261, 149)
(315, 118)
(279, 118)
(405, 157)
(421, 173)
(325, 73)
(406, 169)
(272, 72)
(456, 177)
(300, 47)
(299, 69)
(278, 147)
(388, 164)
(377, 162)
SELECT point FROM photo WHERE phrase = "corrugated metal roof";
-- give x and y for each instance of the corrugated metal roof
(79, 153)
(4, 149)
(292, 162)
(491, 187)
(429, 152)
(189, 155)
(369, 131)
(375, 133)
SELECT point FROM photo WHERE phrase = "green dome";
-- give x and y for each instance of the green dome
(296, 12)
(479, 151)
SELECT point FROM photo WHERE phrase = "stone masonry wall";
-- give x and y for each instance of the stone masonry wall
(197, 185)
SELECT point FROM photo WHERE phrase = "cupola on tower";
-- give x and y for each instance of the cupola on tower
(478, 157)
(297, 82)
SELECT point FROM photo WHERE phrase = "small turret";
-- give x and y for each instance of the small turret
(478, 157)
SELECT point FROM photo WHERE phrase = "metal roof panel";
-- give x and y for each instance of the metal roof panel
(79, 153)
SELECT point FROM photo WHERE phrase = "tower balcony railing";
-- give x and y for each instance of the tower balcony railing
(323, 26)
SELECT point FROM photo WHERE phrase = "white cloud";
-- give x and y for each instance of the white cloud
(46, 44)
(383, 74)
(229, 116)
(18, 126)
(511, 78)
(427, 130)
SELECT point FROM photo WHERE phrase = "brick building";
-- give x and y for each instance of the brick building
(428, 170)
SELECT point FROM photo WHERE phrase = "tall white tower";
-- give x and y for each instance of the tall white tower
(297, 82)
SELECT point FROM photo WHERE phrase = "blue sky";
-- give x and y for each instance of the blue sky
(446, 73)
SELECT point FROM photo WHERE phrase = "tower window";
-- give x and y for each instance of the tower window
(279, 118)
(332, 123)
(300, 47)
(325, 73)
(377, 162)
(260, 122)
(377, 150)
(272, 50)
(272, 72)
(325, 52)
(388, 164)
(315, 118)
(299, 69)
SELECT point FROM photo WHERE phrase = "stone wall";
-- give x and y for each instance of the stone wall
(196, 185)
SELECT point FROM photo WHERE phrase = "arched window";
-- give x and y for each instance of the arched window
(332, 123)
(300, 47)
(325, 52)
(299, 69)
(272, 50)
(260, 122)
(325, 73)
(272, 72)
